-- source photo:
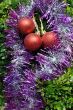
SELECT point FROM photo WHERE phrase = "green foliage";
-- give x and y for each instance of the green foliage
(3, 13)
(69, 9)
(70, 2)
(58, 94)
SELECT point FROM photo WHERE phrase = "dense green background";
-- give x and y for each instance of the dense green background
(57, 94)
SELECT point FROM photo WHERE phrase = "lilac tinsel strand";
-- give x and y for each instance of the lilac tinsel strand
(20, 82)
(20, 91)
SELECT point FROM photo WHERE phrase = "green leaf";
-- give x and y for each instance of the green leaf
(57, 94)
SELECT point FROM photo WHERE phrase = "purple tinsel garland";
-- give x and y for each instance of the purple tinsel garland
(20, 81)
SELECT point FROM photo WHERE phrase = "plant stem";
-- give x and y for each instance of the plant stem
(37, 28)
(40, 31)
(42, 27)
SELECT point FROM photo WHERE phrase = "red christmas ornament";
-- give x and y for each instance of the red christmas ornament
(49, 39)
(32, 42)
(26, 25)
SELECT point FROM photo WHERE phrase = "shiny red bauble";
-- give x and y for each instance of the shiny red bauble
(32, 42)
(49, 39)
(26, 25)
